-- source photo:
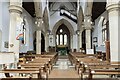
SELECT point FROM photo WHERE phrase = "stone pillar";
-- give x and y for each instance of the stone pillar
(88, 38)
(46, 42)
(53, 40)
(15, 10)
(88, 27)
(78, 46)
(80, 39)
(71, 37)
(114, 28)
(38, 35)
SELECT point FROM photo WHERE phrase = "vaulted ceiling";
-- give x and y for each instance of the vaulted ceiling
(29, 7)
(97, 10)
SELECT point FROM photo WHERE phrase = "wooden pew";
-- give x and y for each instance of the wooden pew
(48, 59)
(90, 62)
(86, 64)
(43, 65)
(87, 60)
(39, 62)
(32, 57)
(52, 56)
(88, 67)
(74, 56)
(109, 72)
(25, 71)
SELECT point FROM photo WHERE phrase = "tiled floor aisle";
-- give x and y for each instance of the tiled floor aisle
(63, 69)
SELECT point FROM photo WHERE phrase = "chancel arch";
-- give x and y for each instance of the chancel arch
(69, 27)
(63, 36)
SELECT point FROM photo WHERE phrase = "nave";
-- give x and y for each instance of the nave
(84, 32)
(74, 65)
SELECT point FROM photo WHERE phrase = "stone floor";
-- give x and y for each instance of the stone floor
(63, 69)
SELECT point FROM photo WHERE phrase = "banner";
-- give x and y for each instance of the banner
(19, 30)
(20, 37)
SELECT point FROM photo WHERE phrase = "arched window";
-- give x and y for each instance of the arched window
(104, 30)
(62, 35)
(57, 39)
(61, 39)
(61, 30)
(24, 31)
(65, 39)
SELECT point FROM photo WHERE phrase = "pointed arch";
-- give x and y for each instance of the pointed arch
(65, 22)
(80, 17)
(46, 19)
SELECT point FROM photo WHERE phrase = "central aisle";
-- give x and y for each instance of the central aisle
(63, 69)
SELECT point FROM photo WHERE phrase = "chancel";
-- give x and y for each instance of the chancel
(60, 39)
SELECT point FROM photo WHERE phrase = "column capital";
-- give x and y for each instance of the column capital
(87, 16)
(112, 7)
(38, 23)
(39, 18)
(47, 34)
(88, 28)
(15, 9)
(38, 28)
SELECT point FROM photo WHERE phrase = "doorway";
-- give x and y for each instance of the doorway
(84, 40)
(42, 42)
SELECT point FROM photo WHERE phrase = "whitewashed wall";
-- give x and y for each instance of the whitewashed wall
(4, 27)
(75, 41)
(30, 29)
(0, 26)
(100, 46)
(1, 15)
(5, 24)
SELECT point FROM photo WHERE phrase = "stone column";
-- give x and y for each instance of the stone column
(71, 37)
(38, 35)
(114, 28)
(80, 39)
(15, 10)
(46, 42)
(88, 38)
(78, 46)
(88, 27)
(53, 40)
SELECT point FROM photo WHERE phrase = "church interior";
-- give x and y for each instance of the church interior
(60, 39)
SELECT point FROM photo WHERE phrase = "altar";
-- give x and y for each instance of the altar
(62, 50)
